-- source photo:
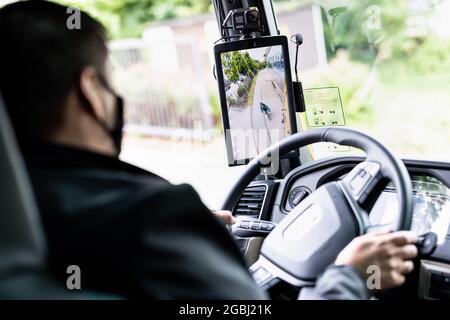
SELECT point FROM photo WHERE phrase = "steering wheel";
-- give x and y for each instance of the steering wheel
(310, 237)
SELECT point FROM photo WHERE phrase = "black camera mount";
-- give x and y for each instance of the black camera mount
(245, 18)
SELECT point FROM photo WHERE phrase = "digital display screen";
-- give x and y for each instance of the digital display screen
(256, 93)
(431, 211)
(431, 207)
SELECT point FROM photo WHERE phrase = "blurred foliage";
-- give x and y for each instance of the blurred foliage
(352, 79)
(128, 18)
(365, 27)
(369, 43)
(382, 37)
(424, 55)
(373, 31)
(370, 30)
(215, 106)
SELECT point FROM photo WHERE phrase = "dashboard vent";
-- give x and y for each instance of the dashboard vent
(251, 201)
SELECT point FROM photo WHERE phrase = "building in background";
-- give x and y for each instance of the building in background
(167, 76)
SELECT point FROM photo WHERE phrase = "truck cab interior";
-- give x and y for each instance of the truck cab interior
(295, 212)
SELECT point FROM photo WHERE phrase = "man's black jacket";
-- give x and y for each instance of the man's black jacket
(133, 233)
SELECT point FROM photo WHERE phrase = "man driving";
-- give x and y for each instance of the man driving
(130, 231)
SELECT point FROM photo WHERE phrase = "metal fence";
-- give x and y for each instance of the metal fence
(160, 109)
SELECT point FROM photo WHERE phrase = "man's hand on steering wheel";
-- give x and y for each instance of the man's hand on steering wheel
(390, 252)
(225, 216)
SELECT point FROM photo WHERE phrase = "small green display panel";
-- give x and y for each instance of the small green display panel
(324, 107)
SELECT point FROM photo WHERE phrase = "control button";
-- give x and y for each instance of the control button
(358, 183)
(299, 197)
(426, 243)
(372, 168)
(267, 227)
(261, 275)
(255, 226)
(244, 225)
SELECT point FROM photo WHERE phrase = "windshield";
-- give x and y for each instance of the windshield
(389, 59)
(391, 62)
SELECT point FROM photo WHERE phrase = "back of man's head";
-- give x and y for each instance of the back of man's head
(41, 60)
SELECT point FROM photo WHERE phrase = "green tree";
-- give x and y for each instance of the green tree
(237, 64)
(365, 27)
(128, 18)
(370, 29)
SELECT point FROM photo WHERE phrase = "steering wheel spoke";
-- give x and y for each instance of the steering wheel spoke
(362, 184)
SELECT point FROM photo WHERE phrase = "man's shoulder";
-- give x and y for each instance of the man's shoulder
(52, 160)
(84, 185)
(167, 198)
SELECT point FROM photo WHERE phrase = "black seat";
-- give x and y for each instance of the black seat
(23, 272)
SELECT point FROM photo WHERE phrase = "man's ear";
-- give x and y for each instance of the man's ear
(92, 92)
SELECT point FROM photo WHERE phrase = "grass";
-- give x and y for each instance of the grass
(411, 112)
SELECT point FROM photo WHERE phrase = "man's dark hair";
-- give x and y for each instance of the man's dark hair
(41, 60)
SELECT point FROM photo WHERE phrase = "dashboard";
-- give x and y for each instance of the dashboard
(431, 211)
